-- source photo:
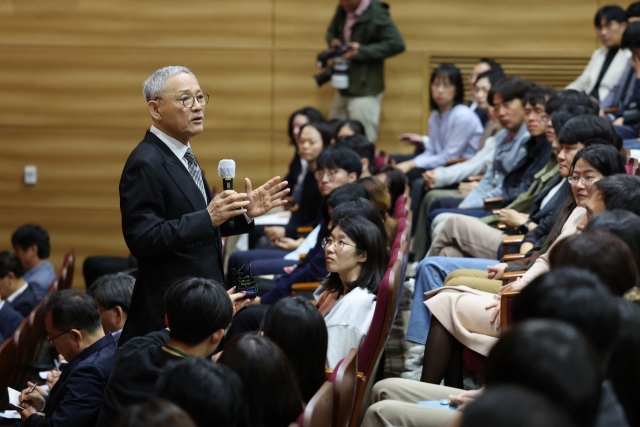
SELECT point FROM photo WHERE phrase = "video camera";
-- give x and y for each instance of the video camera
(338, 72)
(244, 282)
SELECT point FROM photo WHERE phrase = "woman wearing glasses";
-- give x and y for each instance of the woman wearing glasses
(356, 259)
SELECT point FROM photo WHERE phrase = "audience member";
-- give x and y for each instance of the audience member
(627, 117)
(72, 322)
(396, 183)
(13, 288)
(113, 295)
(298, 167)
(349, 128)
(197, 313)
(155, 413)
(31, 244)
(9, 320)
(356, 258)
(365, 149)
(607, 62)
(210, 393)
(298, 328)
(271, 395)
(381, 199)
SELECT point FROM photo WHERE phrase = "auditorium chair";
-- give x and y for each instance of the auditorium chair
(511, 247)
(506, 308)
(319, 410)
(66, 272)
(493, 204)
(31, 333)
(344, 378)
(8, 371)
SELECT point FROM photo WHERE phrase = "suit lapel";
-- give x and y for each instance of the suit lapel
(179, 173)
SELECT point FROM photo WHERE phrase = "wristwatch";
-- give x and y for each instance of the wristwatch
(524, 228)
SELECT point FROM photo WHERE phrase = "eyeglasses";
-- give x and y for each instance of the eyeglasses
(586, 180)
(59, 335)
(187, 101)
(441, 85)
(331, 173)
(338, 246)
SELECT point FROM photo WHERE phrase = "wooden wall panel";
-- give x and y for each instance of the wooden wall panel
(73, 72)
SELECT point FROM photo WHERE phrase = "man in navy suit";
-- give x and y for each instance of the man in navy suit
(13, 288)
(9, 320)
(170, 222)
(73, 323)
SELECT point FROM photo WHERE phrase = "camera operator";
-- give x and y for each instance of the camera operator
(365, 27)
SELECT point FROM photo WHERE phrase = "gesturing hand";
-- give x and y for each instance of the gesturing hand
(226, 205)
(266, 197)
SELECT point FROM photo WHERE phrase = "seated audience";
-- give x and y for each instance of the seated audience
(271, 395)
(356, 258)
(31, 244)
(379, 195)
(13, 288)
(298, 166)
(9, 320)
(365, 149)
(210, 393)
(607, 63)
(155, 413)
(73, 326)
(198, 312)
(349, 128)
(627, 117)
(396, 183)
(297, 327)
(113, 295)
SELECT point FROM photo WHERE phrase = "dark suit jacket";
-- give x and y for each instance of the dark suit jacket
(76, 398)
(168, 229)
(26, 301)
(9, 321)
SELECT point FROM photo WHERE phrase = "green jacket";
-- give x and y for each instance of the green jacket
(379, 39)
(523, 202)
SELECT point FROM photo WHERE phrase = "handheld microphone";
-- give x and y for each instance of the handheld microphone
(227, 171)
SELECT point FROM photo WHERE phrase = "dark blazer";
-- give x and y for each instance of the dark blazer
(9, 321)
(520, 178)
(309, 207)
(76, 398)
(26, 301)
(168, 229)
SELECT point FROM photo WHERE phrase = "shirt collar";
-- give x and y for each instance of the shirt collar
(17, 293)
(177, 147)
(364, 4)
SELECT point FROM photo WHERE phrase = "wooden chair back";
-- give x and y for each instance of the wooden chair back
(66, 272)
(21, 338)
(319, 410)
(344, 391)
(8, 356)
(506, 308)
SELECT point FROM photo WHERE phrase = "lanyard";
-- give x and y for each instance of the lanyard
(175, 350)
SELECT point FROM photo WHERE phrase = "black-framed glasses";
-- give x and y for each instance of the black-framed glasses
(339, 245)
(187, 101)
(59, 335)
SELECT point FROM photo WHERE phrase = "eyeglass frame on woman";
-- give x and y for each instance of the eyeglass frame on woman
(325, 243)
(588, 180)
(59, 335)
(193, 98)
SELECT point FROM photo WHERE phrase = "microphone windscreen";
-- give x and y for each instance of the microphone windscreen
(227, 168)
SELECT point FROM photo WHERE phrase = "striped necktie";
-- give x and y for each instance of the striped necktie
(194, 170)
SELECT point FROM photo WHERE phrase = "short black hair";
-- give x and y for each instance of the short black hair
(355, 125)
(9, 262)
(561, 117)
(582, 129)
(32, 234)
(340, 195)
(495, 66)
(361, 145)
(605, 158)
(609, 13)
(323, 129)
(620, 191)
(453, 74)
(570, 98)
(154, 413)
(312, 114)
(538, 95)
(340, 158)
(493, 76)
(359, 207)
(575, 296)
(114, 290)
(631, 36)
(71, 309)
(299, 329)
(633, 10)
(209, 392)
(196, 308)
(396, 183)
(552, 358)
(533, 409)
(509, 89)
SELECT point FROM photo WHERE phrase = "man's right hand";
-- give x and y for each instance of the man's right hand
(495, 271)
(335, 43)
(411, 138)
(236, 299)
(429, 179)
(226, 205)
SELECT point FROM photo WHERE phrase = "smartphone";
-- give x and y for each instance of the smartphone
(440, 404)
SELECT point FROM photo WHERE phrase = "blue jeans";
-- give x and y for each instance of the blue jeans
(631, 144)
(430, 275)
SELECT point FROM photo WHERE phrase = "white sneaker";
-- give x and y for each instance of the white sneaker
(412, 375)
(417, 350)
(413, 364)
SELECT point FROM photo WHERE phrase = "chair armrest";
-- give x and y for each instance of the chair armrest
(504, 305)
(496, 211)
(329, 371)
(511, 276)
(513, 257)
(491, 203)
(456, 161)
(473, 178)
(611, 110)
(304, 230)
(513, 240)
(502, 226)
(305, 286)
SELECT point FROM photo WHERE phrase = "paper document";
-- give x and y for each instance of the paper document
(14, 397)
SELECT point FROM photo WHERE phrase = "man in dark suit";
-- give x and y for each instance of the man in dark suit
(9, 320)
(13, 288)
(74, 328)
(169, 220)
